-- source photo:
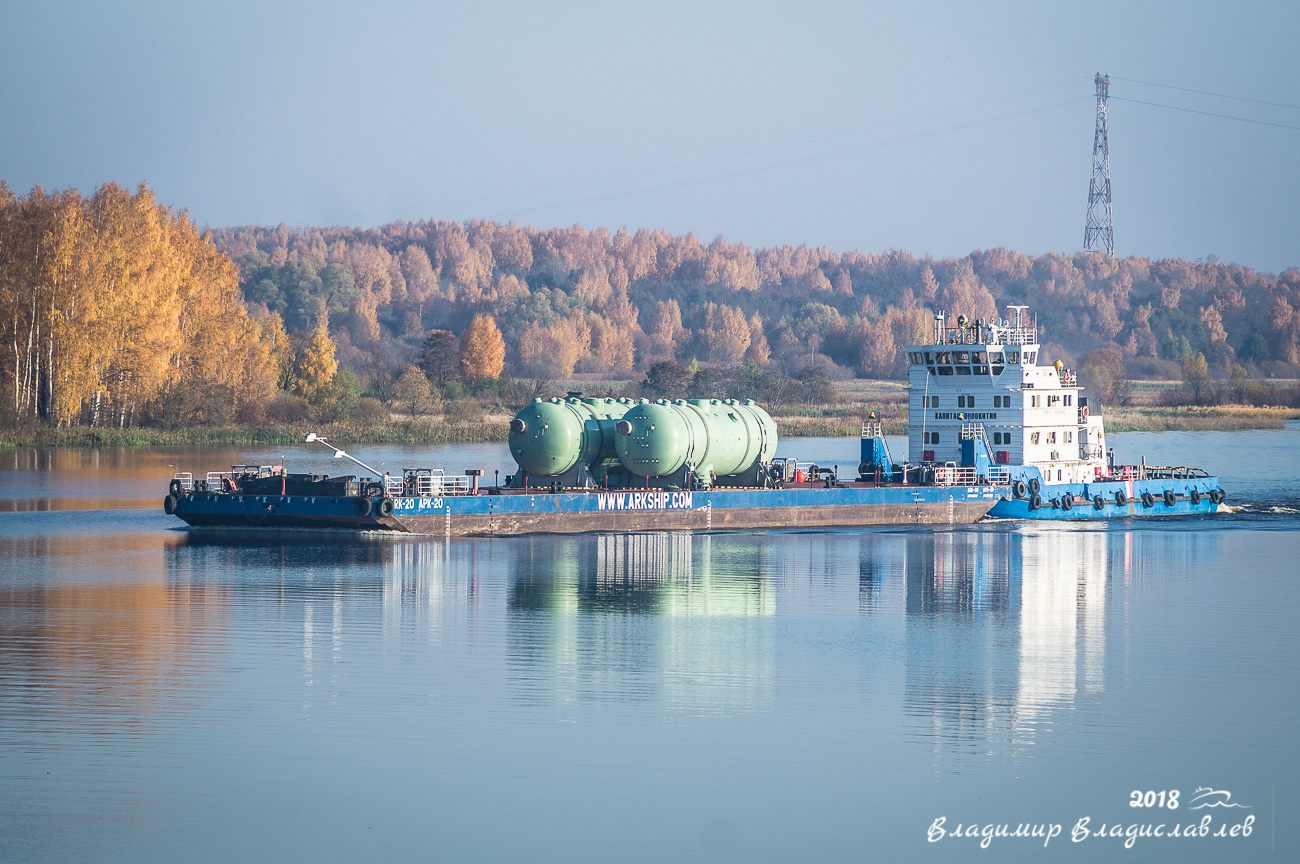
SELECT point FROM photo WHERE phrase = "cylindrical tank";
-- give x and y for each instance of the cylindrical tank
(548, 437)
(657, 439)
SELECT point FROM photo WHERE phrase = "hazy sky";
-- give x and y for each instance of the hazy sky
(818, 123)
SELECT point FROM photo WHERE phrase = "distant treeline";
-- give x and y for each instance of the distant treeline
(571, 300)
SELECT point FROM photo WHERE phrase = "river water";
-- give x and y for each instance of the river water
(175, 696)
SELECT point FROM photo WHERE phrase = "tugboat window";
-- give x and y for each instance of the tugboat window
(996, 357)
(915, 357)
(962, 357)
(961, 401)
(977, 357)
(929, 356)
(1013, 357)
(934, 401)
(963, 370)
(981, 370)
(997, 370)
(1033, 437)
(945, 370)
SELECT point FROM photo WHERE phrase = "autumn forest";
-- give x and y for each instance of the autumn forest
(116, 310)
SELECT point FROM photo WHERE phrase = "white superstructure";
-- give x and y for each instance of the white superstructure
(983, 379)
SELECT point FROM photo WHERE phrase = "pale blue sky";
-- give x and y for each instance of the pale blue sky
(360, 113)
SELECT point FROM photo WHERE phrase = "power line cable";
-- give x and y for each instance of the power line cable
(747, 151)
(787, 163)
(1206, 113)
(1207, 93)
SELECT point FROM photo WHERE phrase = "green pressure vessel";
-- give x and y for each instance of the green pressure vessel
(718, 437)
(549, 437)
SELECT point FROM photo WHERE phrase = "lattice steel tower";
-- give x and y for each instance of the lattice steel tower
(1099, 233)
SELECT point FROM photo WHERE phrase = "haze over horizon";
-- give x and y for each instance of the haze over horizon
(828, 126)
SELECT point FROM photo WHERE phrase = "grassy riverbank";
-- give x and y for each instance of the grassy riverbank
(843, 419)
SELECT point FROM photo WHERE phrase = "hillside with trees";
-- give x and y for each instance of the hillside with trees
(116, 311)
(571, 300)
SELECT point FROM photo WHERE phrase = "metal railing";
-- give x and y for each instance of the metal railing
(954, 475)
(871, 430)
(186, 480)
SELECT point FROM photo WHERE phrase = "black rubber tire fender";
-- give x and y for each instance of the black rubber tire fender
(386, 507)
(1148, 500)
(1098, 502)
(169, 505)
(1121, 500)
(1018, 488)
(1170, 498)
(1217, 496)
(1196, 495)
(1067, 501)
(174, 487)
(1035, 502)
(363, 506)
(1035, 486)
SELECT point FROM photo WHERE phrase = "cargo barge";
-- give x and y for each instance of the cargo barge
(586, 497)
(990, 432)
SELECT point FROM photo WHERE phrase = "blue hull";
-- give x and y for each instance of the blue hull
(595, 510)
(1084, 494)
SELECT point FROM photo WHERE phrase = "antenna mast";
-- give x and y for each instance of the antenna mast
(1098, 232)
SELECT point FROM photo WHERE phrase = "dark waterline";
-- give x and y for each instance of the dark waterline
(168, 695)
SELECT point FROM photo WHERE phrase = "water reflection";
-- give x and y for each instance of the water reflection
(1007, 630)
(640, 617)
(1000, 631)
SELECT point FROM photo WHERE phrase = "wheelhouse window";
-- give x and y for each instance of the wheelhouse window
(929, 356)
(977, 357)
(943, 357)
(914, 357)
(996, 357)
(945, 370)
(1033, 437)
(1013, 357)
(961, 357)
(963, 370)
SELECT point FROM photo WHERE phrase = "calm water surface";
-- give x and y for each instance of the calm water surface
(197, 696)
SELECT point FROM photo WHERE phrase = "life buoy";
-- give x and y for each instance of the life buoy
(227, 484)
(1018, 488)
(1035, 502)
(386, 507)
(1169, 498)
(1121, 500)
(1035, 486)
(1196, 496)
(1067, 501)
(169, 505)
(363, 506)
(175, 487)
(1148, 500)
(1098, 502)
